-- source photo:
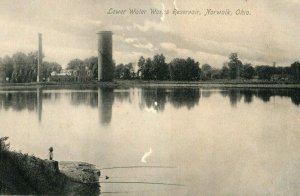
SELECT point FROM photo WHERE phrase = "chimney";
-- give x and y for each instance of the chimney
(40, 60)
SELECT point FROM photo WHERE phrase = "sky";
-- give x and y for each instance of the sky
(269, 34)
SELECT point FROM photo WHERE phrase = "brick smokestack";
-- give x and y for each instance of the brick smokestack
(40, 60)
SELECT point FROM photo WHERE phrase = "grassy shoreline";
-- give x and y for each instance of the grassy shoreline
(140, 83)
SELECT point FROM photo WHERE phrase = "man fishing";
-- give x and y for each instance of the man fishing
(51, 153)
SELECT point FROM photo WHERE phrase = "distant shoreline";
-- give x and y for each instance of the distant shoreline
(141, 83)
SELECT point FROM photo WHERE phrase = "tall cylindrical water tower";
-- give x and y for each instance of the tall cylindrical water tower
(105, 62)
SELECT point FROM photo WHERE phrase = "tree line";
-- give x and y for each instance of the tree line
(157, 69)
(21, 67)
(90, 63)
(188, 69)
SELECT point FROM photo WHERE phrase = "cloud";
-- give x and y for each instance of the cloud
(127, 56)
(200, 56)
(131, 40)
(269, 34)
(151, 25)
(147, 46)
(179, 51)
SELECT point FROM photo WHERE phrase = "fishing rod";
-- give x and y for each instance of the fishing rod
(140, 182)
(104, 177)
(136, 191)
(139, 166)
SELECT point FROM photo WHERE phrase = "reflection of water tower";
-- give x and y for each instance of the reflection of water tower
(105, 103)
(105, 62)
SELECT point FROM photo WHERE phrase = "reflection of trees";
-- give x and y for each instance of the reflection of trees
(248, 96)
(295, 97)
(155, 98)
(265, 95)
(188, 97)
(19, 100)
(122, 95)
(52, 95)
(84, 98)
(105, 102)
(235, 95)
(206, 93)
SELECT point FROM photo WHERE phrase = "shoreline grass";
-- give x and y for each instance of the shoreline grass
(141, 83)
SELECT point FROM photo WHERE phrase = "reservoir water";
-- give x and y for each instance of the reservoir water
(194, 141)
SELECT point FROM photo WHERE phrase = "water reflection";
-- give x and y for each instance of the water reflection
(236, 95)
(39, 95)
(89, 98)
(105, 103)
(148, 98)
(157, 98)
(18, 101)
(185, 97)
(123, 95)
(153, 98)
(222, 152)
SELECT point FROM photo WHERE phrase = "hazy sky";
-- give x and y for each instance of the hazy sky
(270, 33)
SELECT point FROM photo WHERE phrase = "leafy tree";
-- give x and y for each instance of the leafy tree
(264, 72)
(235, 66)
(119, 71)
(141, 67)
(248, 71)
(8, 65)
(206, 71)
(193, 69)
(159, 68)
(184, 69)
(49, 67)
(92, 64)
(124, 72)
(176, 69)
(224, 73)
(215, 73)
(4, 146)
(295, 70)
(146, 72)
(21, 67)
(19, 60)
(75, 64)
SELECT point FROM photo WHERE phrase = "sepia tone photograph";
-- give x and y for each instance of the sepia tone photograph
(149, 97)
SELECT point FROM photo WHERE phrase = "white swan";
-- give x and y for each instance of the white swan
(143, 160)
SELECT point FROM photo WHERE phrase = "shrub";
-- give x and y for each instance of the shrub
(4, 146)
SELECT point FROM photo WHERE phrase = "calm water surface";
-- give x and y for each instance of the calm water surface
(203, 141)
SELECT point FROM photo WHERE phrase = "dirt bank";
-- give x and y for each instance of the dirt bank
(24, 174)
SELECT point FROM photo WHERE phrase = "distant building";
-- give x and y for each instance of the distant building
(72, 75)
